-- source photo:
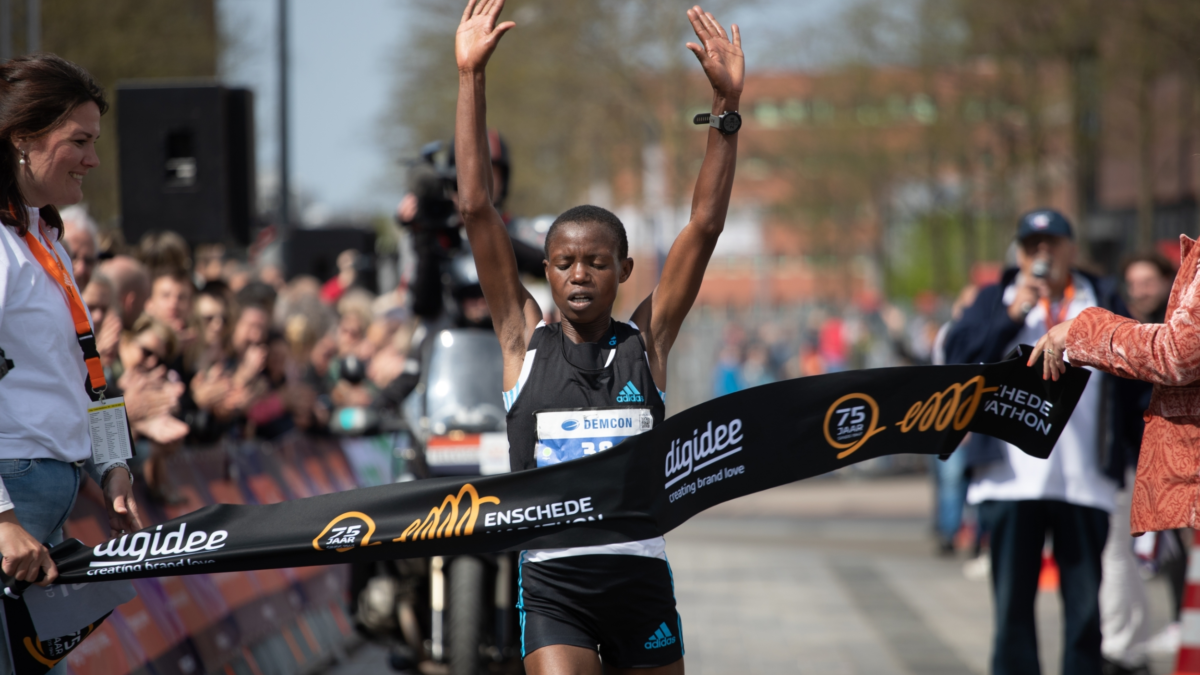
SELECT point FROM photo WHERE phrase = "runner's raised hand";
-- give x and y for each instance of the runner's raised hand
(722, 59)
(478, 34)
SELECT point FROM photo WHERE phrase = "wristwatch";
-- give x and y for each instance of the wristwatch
(727, 122)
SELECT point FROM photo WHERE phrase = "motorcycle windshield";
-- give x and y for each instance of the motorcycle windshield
(465, 380)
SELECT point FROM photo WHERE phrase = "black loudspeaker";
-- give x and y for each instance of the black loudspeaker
(187, 161)
(315, 252)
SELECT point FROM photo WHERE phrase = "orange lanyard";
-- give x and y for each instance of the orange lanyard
(1063, 307)
(83, 329)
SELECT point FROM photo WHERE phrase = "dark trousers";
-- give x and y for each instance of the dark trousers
(1018, 532)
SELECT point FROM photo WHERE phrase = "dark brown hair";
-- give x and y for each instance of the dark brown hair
(37, 94)
(1158, 260)
(161, 250)
(176, 274)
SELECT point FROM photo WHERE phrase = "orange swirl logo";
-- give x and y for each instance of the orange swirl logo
(445, 521)
(848, 425)
(947, 407)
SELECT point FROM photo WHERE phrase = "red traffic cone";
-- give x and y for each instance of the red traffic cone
(1048, 577)
(1188, 662)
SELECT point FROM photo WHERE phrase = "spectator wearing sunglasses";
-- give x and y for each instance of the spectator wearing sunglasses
(151, 390)
(208, 371)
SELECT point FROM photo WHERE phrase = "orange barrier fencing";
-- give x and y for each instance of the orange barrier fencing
(258, 623)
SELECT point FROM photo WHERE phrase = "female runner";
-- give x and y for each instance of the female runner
(601, 608)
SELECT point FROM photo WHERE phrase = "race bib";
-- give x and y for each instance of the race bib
(564, 435)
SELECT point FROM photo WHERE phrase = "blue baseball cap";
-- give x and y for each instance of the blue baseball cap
(1044, 221)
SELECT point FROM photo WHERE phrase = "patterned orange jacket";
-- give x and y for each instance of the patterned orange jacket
(1166, 493)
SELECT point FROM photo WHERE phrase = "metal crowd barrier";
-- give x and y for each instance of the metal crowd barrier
(269, 622)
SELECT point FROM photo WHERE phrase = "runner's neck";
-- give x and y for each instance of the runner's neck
(589, 332)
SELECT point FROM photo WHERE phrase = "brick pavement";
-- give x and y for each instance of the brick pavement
(835, 576)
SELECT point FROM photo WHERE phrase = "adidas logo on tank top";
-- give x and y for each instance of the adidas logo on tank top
(630, 394)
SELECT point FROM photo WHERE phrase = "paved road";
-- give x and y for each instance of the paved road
(830, 577)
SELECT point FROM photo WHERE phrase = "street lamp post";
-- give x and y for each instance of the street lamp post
(33, 26)
(284, 166)
(6, 30)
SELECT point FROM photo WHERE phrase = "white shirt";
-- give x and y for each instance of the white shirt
(43, 403)
(1072, 473)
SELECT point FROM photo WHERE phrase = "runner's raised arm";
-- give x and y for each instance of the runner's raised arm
(661, 315)
(514, 311)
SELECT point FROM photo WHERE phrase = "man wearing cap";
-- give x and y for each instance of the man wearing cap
(1024, 502)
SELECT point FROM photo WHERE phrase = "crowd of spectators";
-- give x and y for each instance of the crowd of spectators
(209, 349)
(824, 340)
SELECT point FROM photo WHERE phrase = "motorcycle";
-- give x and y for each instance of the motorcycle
(448, 614)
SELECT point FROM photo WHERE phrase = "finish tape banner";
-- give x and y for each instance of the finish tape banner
(644, 487)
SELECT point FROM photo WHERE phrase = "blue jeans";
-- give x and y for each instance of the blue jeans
(951, 493)
(43, 492)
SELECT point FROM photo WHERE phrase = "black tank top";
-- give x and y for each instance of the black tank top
(559, 375)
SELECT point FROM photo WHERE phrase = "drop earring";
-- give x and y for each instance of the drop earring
(22, 162)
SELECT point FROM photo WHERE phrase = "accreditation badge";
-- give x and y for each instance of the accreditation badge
(564, 435)
(109, 427)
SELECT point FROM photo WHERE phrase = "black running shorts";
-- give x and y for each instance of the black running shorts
(622, 606)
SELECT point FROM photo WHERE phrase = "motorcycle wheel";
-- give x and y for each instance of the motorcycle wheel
(466, 605)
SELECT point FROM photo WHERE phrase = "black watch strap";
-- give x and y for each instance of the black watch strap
(728, 122)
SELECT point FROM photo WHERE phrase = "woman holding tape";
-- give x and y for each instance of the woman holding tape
(601, 608)
(49, 121)
(1167, 355)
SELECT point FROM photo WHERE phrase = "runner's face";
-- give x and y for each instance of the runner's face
(583, 271)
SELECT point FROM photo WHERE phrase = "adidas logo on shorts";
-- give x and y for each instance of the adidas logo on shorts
(630, 394)
(661, 638)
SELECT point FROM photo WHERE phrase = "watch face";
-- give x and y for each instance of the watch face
(731, 123)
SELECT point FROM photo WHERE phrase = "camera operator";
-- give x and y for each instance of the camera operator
(445, 287)
(430, 213)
